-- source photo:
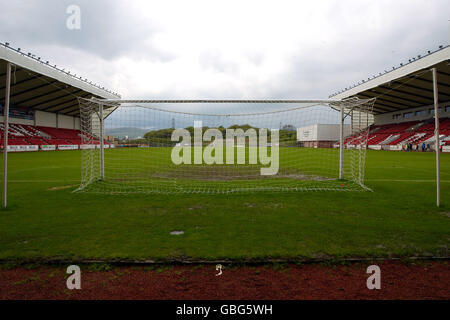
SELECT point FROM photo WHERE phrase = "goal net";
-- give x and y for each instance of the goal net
(207, 146)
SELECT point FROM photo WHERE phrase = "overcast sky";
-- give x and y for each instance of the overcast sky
(227, 49)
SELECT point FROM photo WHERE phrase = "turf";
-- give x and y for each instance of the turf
(45, 219)
(132, 170)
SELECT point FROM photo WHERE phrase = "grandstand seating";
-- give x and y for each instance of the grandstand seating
(414, 132)
(20, 134)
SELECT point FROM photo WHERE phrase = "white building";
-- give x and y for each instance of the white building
(320, 135)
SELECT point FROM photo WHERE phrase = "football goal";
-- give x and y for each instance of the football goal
(223, 146)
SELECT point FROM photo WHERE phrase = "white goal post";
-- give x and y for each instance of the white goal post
(223, 146)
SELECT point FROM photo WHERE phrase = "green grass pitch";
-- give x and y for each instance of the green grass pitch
(151, 170)
(45, 219)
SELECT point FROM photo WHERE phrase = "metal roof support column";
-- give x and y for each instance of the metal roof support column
(341, 145)
(5, 133)
(436, 133)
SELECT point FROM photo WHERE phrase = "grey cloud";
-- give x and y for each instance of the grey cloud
(217, 62)
(106, 30)
(321, 69)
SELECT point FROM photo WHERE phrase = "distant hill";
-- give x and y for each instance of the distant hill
(126, 131)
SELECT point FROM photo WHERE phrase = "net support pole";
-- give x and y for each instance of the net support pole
(5, 133)
(341, 145)
(436, 133)
(102, 147)
(351, 122)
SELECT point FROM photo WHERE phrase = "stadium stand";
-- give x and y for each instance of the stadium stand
(20, 134)
(404, 93)
(414, 132)
(43, 102)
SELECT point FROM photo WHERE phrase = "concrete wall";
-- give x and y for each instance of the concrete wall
(45, 119)
(65, 122)
(392, 117)
(19, 121)
(76, 122)
(48, 119)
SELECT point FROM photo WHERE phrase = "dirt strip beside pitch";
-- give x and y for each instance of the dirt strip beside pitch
(419, 280)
